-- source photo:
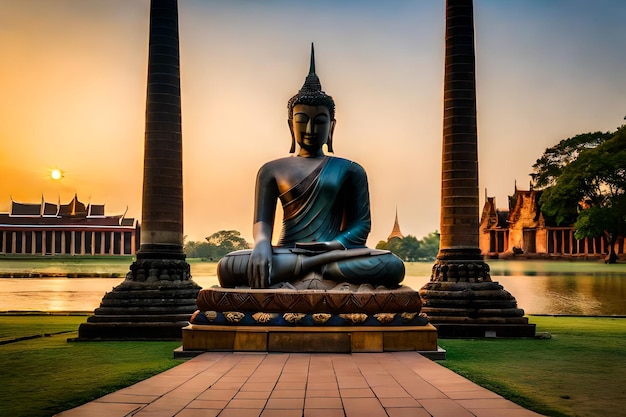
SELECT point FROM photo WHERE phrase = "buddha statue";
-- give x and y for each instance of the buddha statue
(326, 212)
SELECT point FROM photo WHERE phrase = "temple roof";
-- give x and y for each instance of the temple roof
(73, 208)
(25, 209)
(74, 213)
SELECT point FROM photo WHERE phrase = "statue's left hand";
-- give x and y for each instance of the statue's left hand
(320, 246)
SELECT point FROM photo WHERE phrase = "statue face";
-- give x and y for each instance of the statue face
(311, 127)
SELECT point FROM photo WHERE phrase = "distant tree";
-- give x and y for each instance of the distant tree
(590, 192)
(429, 247)
(410, 249)
(550, 166)
(217, 245)
(228, 240)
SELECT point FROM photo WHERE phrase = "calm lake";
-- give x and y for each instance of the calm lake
(540, 287)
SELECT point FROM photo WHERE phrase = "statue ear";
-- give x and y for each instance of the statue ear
(329, 141)
(293, 137)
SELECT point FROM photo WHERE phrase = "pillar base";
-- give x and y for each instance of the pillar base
(461, 300)
(155, 301)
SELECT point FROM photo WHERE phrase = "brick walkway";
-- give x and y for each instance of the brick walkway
(395, 384)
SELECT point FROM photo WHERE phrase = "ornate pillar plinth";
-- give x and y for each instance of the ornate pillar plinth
(461, 300)
(155, 301)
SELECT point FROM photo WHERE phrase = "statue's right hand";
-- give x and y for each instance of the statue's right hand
(260, 265)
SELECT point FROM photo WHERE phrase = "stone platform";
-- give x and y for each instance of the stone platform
(328, 339)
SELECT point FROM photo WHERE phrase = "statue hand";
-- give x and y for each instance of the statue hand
(320, 246)
(260, 265)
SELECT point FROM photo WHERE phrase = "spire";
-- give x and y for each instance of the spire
(312, 82)
(312, 65)
(395, 232)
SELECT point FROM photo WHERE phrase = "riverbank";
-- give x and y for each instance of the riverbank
(576, 372)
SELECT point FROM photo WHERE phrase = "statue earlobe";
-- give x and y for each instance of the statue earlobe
(293, 137)
(329, 141)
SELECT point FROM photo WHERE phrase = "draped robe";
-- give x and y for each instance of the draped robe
(331, 203)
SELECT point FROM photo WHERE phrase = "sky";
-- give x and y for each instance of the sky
(73, 91)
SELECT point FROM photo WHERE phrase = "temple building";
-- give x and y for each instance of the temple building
(522, 229)
(395, 232)
(66, 229)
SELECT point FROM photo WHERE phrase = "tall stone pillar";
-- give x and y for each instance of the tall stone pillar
(460, 299)
(158, 295)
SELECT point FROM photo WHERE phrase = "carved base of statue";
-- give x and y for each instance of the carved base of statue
(341, 319)
(155, 301)
(461, 300)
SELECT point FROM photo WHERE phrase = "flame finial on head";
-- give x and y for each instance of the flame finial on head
(311, 92)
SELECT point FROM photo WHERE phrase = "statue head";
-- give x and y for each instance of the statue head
(311, 94)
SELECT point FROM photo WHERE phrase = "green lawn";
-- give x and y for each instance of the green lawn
(579, 372)
(46, 375)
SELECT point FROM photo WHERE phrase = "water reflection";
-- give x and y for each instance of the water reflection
(539, 287)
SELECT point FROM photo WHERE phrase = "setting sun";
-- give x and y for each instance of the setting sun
(56, 174)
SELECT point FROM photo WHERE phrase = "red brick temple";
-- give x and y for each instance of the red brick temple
(522, 230)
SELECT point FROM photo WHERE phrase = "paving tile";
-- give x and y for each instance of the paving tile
(444, 408)
(390, 392)
(253, 395)
(421, 389)
(322, 402)
(282, 413)
(198, 412)
(285, 403)
(217, 394)
(359, 407)
(324, 385)
(257, 404)
(241, 412)
(356, 392)
(208, 404)
(219, 385)
(324, 412)
(399, 402)
(322, 393)
(121, 397)
(290, 385)
(508, 412)
(164, 406)
(257, 386)
(471, 395)
(288, 393)
(409, 412)
(352, 382)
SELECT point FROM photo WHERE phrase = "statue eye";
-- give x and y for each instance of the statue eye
(300, 118)
(320, 120)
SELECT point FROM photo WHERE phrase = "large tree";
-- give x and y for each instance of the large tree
(590, 191)
(548, 168)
